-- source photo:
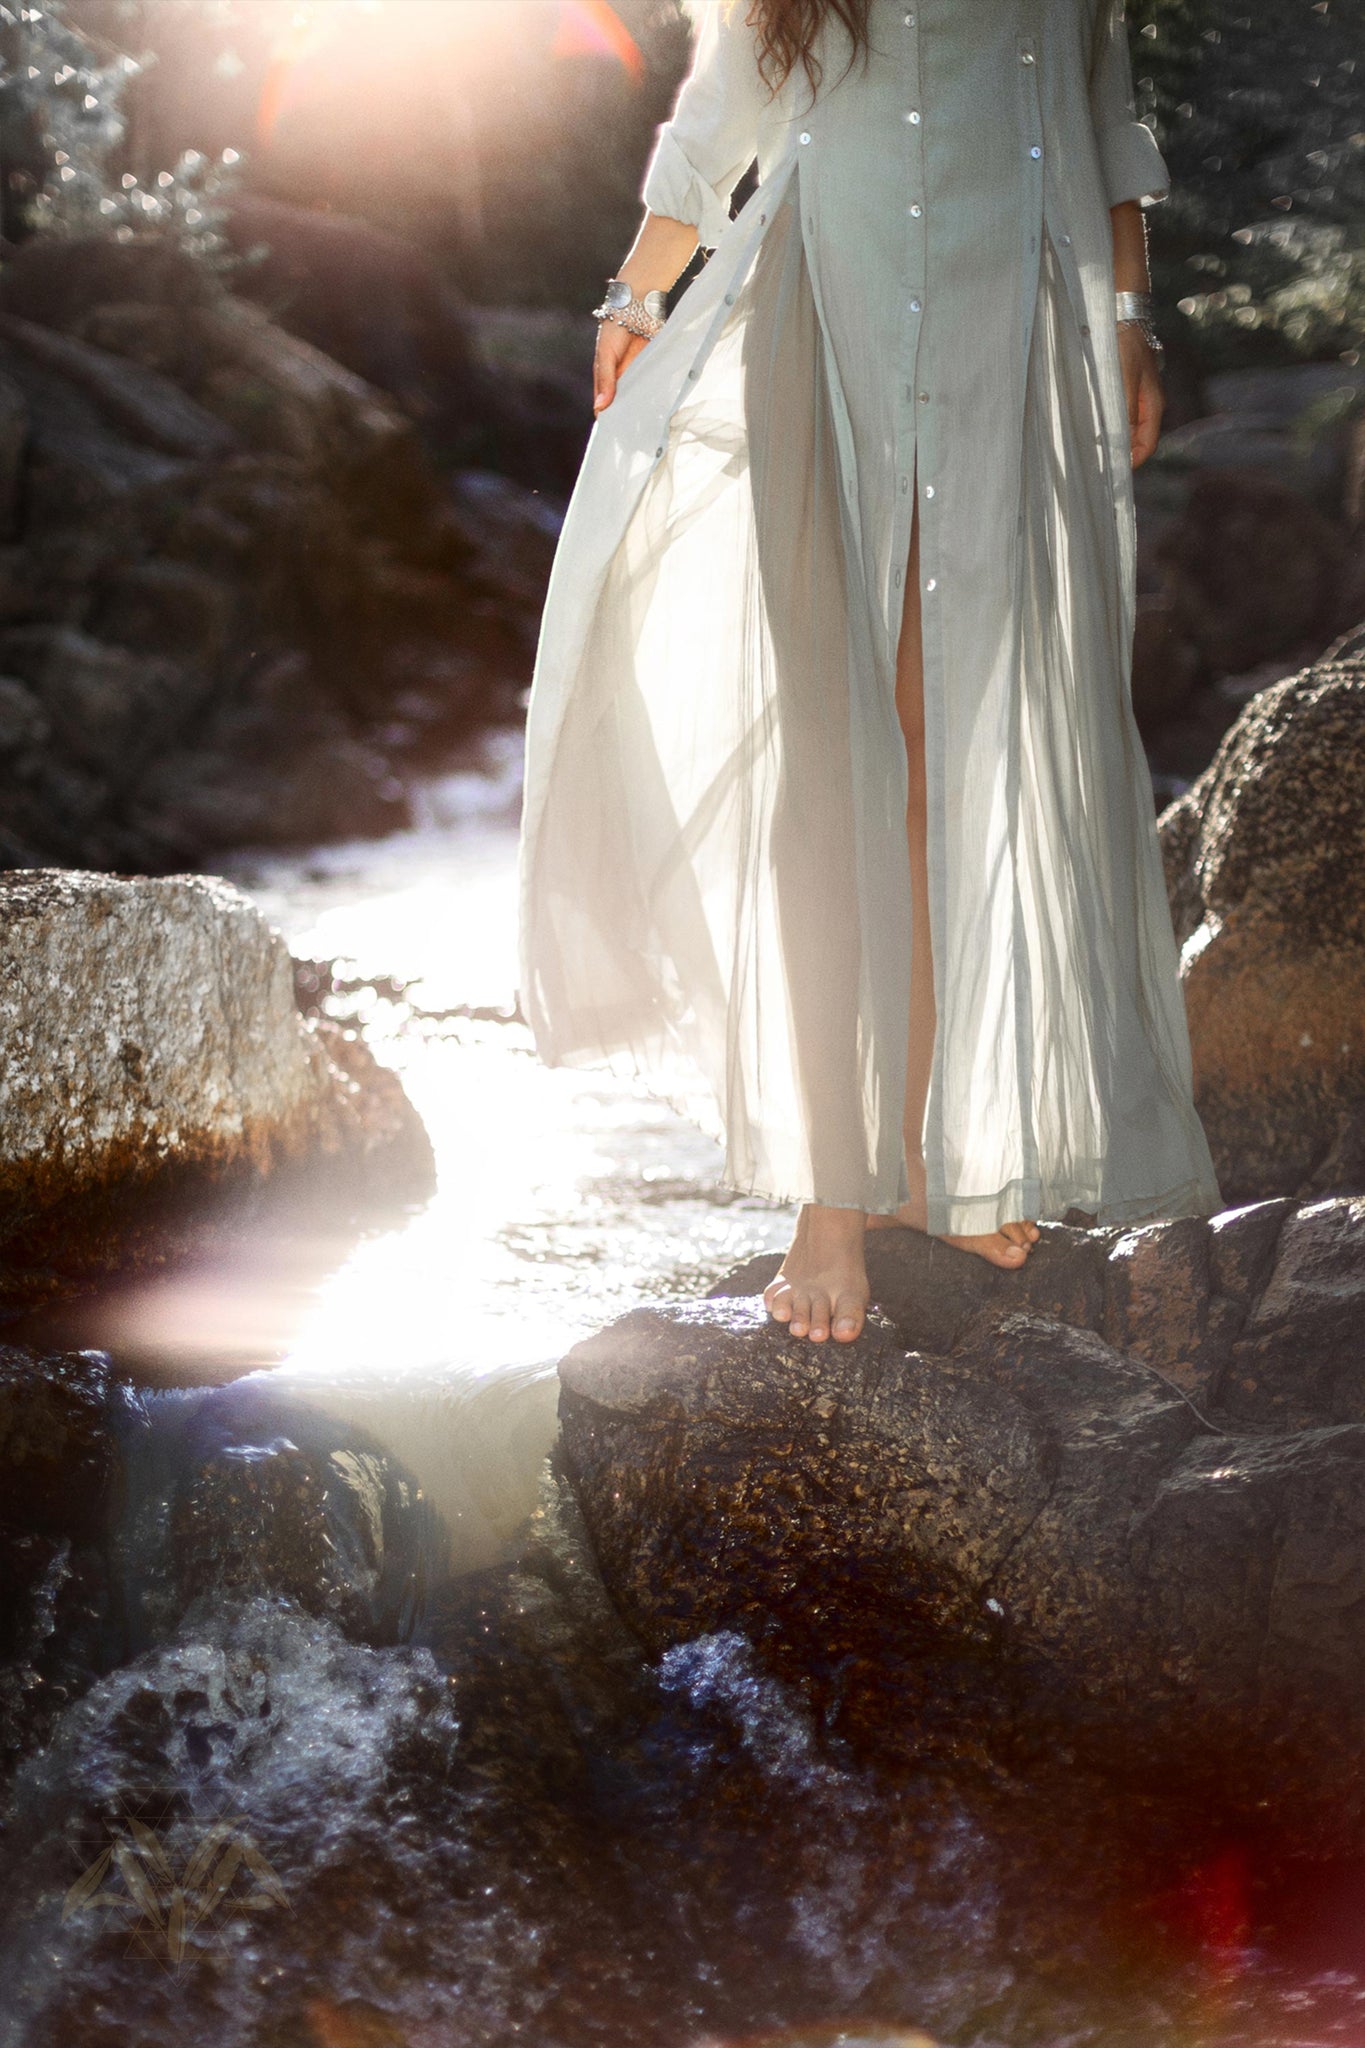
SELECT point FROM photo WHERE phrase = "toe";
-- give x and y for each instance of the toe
(848, 1318)
(819, 1318)
(799, 1322)
(777, 1299)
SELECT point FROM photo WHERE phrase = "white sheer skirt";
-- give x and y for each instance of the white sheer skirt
(718, 897)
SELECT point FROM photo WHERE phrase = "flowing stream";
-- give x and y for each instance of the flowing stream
(425, 1791)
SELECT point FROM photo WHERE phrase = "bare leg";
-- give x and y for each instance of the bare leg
(1011, 1243)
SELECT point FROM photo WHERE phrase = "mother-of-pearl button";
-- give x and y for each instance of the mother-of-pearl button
(805, 138)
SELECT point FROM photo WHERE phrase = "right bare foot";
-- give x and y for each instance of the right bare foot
(821, 1287)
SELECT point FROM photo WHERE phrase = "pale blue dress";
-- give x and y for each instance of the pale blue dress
(915, 303)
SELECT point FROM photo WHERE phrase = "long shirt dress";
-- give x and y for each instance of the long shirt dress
(914, 307)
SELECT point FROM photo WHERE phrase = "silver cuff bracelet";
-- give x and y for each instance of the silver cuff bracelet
(642, 316)
(1134, 309)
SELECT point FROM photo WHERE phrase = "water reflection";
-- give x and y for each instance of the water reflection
(563, 1197)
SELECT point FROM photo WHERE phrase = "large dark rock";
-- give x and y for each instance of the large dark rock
(56, 1451)
(1263, 862)
(1252, 570)
(1128, 1481)
(241, 595)
(385, 308)
(276, 1500)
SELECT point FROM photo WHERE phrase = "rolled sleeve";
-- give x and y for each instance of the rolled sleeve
(707, 145)
(1131, 164)
(673, 185)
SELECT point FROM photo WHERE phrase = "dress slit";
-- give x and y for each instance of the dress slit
(716, 886)
(921, 1032)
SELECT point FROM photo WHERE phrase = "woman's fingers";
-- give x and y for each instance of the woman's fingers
(1151, 404)
(1142, 387)
(616, 347)
(603, 376)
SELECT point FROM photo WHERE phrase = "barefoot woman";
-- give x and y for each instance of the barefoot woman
(834, 794)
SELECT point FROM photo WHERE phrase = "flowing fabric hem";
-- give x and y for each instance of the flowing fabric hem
(1017, 1200)
(1038, 1205)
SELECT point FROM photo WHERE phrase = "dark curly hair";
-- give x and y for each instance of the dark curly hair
(786, 31)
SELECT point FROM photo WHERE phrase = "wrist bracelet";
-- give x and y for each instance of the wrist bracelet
(642, 316)
(1134, 309)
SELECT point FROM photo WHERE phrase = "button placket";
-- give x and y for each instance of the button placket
(914, 118)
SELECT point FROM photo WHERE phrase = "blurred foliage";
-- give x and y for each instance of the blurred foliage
(62, 126)
(1258, 255)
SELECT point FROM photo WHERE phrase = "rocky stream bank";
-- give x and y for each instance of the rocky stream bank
(937, 1682)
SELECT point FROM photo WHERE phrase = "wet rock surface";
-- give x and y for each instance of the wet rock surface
(483, 1809)
(154, 1057)
(274, 1502)
(517, 1827)
(247, 1495)
(60, 1478)
(1112, 1483)
(1263, 859)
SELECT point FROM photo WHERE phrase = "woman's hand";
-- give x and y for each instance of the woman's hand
(1142, 384)
(616, 347)
(654, 262)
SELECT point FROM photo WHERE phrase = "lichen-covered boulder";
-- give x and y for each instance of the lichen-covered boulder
(1128, 1481)
(1264, 856)
(151, 1053)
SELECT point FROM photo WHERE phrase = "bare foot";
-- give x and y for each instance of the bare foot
(821, 1287)
(1008, 1246)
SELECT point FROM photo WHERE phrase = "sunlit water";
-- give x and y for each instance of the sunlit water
(498, 1831)
(564, 1197)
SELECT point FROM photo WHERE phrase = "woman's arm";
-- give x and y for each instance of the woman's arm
(1141, 378)
(700, 154)
(1132, 168)
(658, 256)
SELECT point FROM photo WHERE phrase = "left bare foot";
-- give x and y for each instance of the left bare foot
(1008, 1246)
